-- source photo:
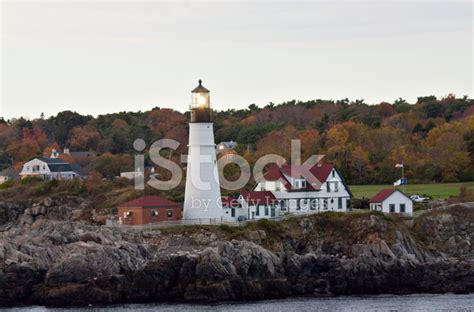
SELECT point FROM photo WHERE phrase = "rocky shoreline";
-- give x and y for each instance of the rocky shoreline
(52, 253)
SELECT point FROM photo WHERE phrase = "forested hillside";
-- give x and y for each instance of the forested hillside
(433, 137)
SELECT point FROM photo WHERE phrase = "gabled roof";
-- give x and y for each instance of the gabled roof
(60, 167)
(78, 169)
(230, 202)
(53, 160)
(319, 170)
(383, 195)
(150, 201)
(259, 197)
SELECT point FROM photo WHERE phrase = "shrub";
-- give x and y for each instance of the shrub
(270, 227)
(362, 203)
(45, 188)
(28, 180)
(7, 184)
(465, 194)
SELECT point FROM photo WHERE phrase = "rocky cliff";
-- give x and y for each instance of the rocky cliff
(51, 253)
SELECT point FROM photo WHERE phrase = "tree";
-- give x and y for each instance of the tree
(64, 122)
(110, 166)
(32, 144)
(277, 142)
(84, 138)
(401, 106)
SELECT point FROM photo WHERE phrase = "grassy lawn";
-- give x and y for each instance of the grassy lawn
(440, 190)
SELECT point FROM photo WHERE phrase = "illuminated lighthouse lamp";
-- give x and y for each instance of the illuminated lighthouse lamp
(200, 104)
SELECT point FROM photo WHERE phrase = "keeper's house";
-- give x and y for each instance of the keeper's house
(392, 201)
(149, 209)
(289, 190)
(297, 193)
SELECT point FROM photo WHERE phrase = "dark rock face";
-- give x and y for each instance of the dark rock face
(56, 262)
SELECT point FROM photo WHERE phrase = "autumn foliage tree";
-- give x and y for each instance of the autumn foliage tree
(84, 138)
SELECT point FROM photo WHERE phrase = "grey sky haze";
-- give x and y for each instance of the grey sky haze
(103, 57)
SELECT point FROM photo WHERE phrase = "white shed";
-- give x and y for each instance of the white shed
(392, 201)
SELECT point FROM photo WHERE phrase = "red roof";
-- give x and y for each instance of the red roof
(150, 201)
(319, 171)
(382, 195)
(259, 198)
(230, 202)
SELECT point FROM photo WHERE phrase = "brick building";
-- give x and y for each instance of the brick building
(149, 209)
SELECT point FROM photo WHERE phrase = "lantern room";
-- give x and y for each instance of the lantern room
(200, 104)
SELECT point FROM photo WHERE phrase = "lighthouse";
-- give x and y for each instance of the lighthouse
(202, 195)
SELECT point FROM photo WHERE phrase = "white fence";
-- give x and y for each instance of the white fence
(171, 223)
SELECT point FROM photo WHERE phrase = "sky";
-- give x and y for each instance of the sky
(98, 57)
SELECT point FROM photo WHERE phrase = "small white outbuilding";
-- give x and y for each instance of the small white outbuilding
(392, 201)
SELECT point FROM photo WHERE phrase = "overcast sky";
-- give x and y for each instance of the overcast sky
(102, 57)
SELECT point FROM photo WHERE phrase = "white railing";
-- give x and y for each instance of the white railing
(171, 223)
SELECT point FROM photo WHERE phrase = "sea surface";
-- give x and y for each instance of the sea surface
(447, 302)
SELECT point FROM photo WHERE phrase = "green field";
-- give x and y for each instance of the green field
(440, 190)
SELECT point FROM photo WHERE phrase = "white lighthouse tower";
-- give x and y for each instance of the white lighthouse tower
(202, 198)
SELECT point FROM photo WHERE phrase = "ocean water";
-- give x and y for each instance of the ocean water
(409, 303)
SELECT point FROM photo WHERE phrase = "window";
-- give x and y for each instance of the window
(266, 210)
(170, 213)
(348, 203)
(336, 186)
(334, 173)
(232, 212)
(339, 203)
(300, 183)
(402, 208)
(283, 205)
(328, 187)
(27, 168)
(392, 207)
(325, 204)
(257, 210)
(314, 204)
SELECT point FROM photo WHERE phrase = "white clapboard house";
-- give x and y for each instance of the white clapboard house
(392, 201)
(51, 169)
(288, 190)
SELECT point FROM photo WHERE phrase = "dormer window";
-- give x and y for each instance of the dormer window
(300, 183)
